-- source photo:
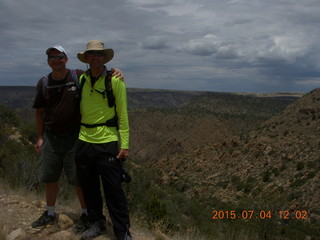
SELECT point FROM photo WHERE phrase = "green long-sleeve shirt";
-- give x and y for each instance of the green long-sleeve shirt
(94, 109)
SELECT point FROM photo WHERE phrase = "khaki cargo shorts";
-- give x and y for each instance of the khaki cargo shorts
(57, 154)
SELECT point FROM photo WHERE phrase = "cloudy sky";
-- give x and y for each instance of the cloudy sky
(214, 45)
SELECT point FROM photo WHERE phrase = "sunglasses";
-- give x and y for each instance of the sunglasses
(95, 53)
(56, 57)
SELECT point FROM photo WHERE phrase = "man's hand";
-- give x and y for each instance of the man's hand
(117, 73)
(39, 145)
(124, 153)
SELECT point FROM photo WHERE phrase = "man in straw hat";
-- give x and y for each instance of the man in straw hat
(98, 150)
(58, 123)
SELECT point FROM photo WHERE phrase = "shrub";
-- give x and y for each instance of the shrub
(311, 175)
(223, 184)
(275, 171)
(300, 165)
(238, 183)
(157, 210)
(8, 116)
(266, 176)
(20, 167)
(298, 182)
(283, 167)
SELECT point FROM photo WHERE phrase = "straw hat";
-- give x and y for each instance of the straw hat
(96, 45)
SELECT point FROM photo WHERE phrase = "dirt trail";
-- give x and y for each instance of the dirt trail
(17, 211)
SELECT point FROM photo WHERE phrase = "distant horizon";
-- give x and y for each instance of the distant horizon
(261, 94)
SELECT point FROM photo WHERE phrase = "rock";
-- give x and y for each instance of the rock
(62, 235)
(64, 222)
(18, 234)
(159, 235)
(39, 203)
(101, 237)
(10, 210)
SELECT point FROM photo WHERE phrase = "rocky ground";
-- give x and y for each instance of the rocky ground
(18, 211)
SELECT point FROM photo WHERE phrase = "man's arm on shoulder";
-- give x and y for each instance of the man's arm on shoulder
(117, 73)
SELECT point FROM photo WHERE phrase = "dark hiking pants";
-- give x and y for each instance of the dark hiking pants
(95, 162)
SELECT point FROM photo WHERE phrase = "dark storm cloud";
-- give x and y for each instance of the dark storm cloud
(235, 45)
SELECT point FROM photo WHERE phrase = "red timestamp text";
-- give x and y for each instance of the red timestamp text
(297, 214)
(263, 214)
(245, 214)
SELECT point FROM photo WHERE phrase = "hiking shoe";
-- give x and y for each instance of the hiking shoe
(127, 236)
(82, 224)
(95, 230)
(44, 220)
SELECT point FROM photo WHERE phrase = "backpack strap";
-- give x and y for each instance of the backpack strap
(113, 122)
(45, 80)
(74, 76)
(109, 92)
(44, 83)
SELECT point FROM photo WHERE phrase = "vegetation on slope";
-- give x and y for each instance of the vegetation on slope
(181, 153)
